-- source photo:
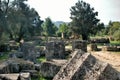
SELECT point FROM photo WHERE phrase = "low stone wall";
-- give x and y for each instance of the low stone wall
(100, 40)
(78, 44)
(110, 48)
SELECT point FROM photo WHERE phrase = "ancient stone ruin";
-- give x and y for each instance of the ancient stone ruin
(110, 48)
(15, 66)
(83, 66)
(93, 47)
(51, 68)
(78, 44)
(15, 76)
(55, 50)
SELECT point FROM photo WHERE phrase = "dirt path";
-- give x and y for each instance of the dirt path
(110, 57)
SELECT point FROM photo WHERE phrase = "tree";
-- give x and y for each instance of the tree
(63, 29)
(3, 13)
(84, 21)
(48, 27)
(101, 28)
(114, 30)
(20, 20)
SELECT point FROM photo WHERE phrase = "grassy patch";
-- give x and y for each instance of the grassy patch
(41, 59)
(115, 42)
(4, 56)
(115, 52)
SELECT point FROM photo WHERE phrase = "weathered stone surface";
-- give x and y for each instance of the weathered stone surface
(29, 52)
(15, 66)
(16, 55)
(17, 76)
(55, 50)
(9, 76)
(4, 68)
(93, 47)
(78, 44)
(110, 48)
(50, 69)
(84, 66)
(24, 76)
(33, 73)
(100, 40)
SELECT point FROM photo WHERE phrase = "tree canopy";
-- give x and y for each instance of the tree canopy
(19, 19)
(49, 29)
(84, 20)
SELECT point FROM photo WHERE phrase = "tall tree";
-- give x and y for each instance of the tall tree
(63, 29)
(3, 15)
(21, 20)
(48, 27)
(84, 20)
(114, 30)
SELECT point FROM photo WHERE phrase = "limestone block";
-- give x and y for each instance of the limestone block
(78, 44)
(83, 66)
(55, 50)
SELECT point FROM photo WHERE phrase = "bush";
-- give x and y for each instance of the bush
(116, 35)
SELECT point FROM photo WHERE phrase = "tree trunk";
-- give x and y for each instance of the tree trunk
(62, 35)
(84, 37)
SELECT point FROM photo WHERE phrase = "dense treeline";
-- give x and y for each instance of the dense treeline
(19, 21)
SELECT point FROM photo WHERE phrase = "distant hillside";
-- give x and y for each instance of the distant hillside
(57, 23)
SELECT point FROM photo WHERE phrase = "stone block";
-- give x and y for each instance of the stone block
(93, 47)
(83, 66)
(78, 44)
(16, 76)
(4, 68)
(15, 66)
(51, 68)
(55, 50)
(110, 48)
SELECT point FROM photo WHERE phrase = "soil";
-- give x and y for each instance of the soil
(113, 58)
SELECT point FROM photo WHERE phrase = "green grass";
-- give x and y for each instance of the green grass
(41, 59)
(115, 42)
(4, 56)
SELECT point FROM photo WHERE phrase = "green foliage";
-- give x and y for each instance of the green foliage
(4, 56)
(63, 29)
(19, 20)
(84, 21)
(116, 35)
(4, 38)
(115, 42)
(113, 30)
(49, 29)
(41, 59)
